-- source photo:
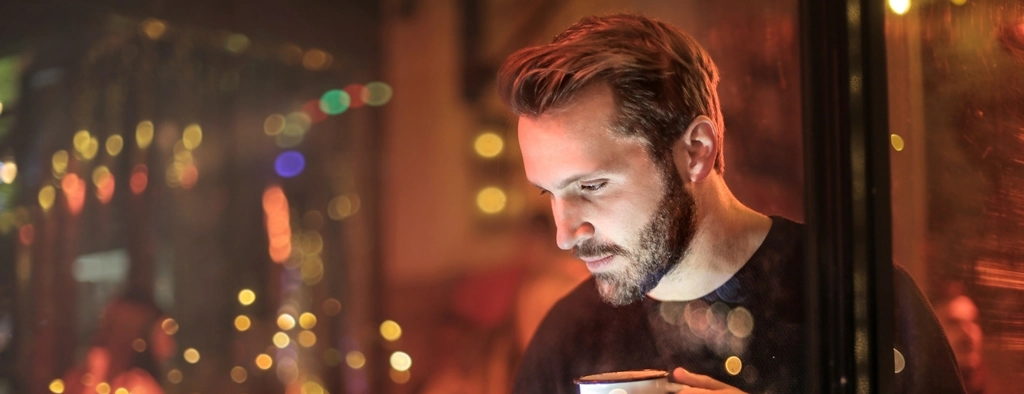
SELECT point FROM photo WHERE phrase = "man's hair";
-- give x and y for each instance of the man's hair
(661, 78)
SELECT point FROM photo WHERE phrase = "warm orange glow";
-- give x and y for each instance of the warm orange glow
(242, 323)
(57, 386)
(307, 338)
(733, 365)
(390, 330)
(401, 361)
(153, 28)
(307, 320)
(74, 192)
(191, 355)
(189, 176)
(264, 362)
(140, 178)
(355, 359)
(105, 187)
(332, 307)
(27, 234)
(174, 376)
(281, 340)
(139, 345)
(238, 374)
(279, 233)
(246, 297)
(169, 326)
(402, 377)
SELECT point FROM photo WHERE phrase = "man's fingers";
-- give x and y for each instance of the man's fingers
(697, 380)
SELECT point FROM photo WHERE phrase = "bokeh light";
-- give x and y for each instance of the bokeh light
(236, 43)
(281, 340)
(189, 176)
(311, 387)
(287, 370)
(46, 196)
(959, 2)
(238, 374)
(191, 355)
(274, 124)
(355, 95)
(1, 107)
(169, 326)
(60, 162)
(289, 164)
(402, 377)
(312, 108)
(355, 359)
(343, 206)
(139, 345)
(377, 94)
(733, 365)
(491, 200)
(174, 376)
(8, 171)
(192, 136)
(286, 322)
(139, 179)
(242, 323)
(390, 330)
(335, 102)
(74, 192)
(264, 362)
(315, 60)
(81, 140)
(307, 320)
(144, 134)
(122, 390)
(114, 144)
(488, 145)
(897, 142)
(401, 361)
(740, 322)
(899, 6)
(279, 233)
(57, 386)
(103, 388)
(153, 28)
(27, 234)
(246, 297)
(332, 307)
(307, 338)
(100, 174)
(300, 120)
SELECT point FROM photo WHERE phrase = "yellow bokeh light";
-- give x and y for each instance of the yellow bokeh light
(91, 148)
(100, 175)
(122, 390)
(239, 374)
(191, 355)
(355, 359)
(46, 196)
(246, 297)
(312, 270)
(307, 338)
(959, 2)
(236, 43)
(401, 361)
(192, 137)
(740, 322)
(332, 307)
(733, 365)
(144, 134)
(242, 323)
(170, 326)
(281, 340)
(390, 330)
(174, 376)
(307, 320)
(491, 200)
(57, 386)
(489, 145)
(315, 59)
(264, 362)
(153, 28)
(60, 162)
(81, 140)
(402, 377)
(139, 345)
(899, 6)
(114, 144)
(103, 388)
(312, 387)
(897, 142)
(340, 207)
(1, 107)
(274, 124)
(8, 171)
(286, 321)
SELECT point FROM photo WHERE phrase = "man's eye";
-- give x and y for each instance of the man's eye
(593, 187)
(543, 192)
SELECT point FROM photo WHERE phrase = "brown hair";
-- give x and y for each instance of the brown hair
(662, 79)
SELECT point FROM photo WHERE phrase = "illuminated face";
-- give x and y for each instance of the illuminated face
(618, 211)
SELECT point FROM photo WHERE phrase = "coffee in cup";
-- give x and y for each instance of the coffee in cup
(647, 381)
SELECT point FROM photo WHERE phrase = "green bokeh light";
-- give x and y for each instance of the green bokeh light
(335, 102)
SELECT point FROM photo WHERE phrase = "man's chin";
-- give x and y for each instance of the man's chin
(617, 294)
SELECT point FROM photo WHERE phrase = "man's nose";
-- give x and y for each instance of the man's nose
(571, 226)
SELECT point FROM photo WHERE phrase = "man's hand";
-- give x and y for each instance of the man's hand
(694, 383)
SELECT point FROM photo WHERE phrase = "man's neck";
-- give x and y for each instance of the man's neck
(728, 233)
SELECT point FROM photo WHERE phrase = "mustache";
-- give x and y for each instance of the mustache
(590, 248)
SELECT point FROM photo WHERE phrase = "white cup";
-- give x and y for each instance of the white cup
(647, 381)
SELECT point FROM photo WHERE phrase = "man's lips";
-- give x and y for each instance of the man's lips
(598, 264)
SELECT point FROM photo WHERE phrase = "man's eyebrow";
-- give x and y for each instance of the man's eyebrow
(566, 182)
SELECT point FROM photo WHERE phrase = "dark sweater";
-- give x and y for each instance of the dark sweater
(747, 333)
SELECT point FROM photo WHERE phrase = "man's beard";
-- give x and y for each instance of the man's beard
(658, 246)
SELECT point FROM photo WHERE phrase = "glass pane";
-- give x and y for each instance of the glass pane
(956, 73)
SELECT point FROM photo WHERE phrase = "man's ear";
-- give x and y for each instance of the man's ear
(696, 149)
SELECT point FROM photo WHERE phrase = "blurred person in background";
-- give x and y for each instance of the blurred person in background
(958, 315)
(620, 125)
(127, 351)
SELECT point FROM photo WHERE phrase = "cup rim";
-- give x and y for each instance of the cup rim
(646, 374)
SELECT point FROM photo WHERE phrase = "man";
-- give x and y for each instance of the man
(620, 125)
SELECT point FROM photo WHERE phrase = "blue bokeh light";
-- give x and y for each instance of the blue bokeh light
(289, 163)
